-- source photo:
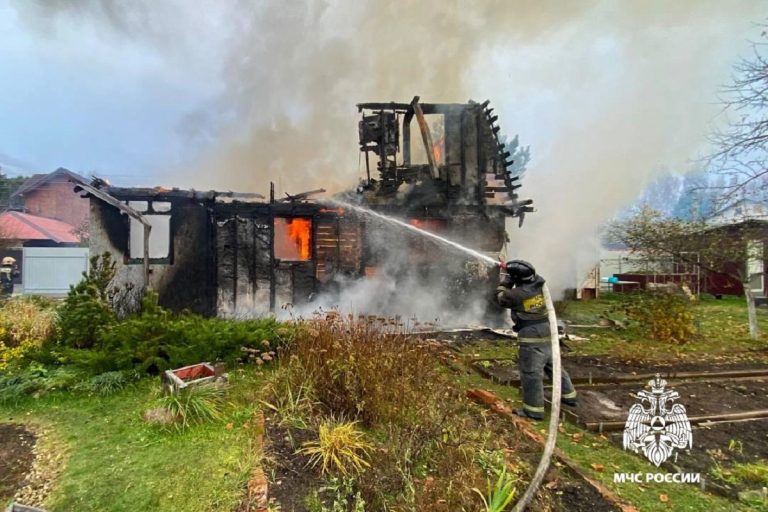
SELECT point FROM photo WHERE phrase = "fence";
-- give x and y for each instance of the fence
(51, 270)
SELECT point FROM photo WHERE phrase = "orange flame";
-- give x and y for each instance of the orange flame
(437, 149)
(300, 230)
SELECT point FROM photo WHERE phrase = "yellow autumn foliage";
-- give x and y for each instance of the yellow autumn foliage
(663, 316)
(25, 324)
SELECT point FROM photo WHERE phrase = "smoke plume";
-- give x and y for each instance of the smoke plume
(606, 93)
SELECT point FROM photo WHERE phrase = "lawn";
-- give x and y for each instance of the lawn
(423, 436)
(721, 329)
(115, 461)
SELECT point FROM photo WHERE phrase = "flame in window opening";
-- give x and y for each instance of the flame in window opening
(300, 230)
(437, 150)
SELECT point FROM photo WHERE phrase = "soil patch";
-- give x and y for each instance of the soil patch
(293, 480)
(609, 366)
(612, 403)
(581, 498)
(16, 458)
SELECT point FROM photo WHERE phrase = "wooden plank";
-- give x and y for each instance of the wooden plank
(499, 407)
(614, 426)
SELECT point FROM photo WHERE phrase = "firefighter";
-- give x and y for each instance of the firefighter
(521, 292)
(8, 271)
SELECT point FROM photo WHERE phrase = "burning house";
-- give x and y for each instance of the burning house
(441, 167)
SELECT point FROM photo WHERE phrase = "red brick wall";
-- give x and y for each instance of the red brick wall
(56, 200)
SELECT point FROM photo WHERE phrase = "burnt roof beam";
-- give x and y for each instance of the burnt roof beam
(426, 137)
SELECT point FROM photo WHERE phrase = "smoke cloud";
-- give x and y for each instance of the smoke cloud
(606, 93)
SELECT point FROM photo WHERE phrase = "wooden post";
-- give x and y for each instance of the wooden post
(147, 229)
(426, 136)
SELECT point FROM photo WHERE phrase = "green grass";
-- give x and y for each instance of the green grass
(117, 462)
(721, 329)
(750, 474)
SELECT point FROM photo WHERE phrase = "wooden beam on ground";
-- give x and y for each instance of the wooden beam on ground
(746, 374)
(257, 498)
(499, 407)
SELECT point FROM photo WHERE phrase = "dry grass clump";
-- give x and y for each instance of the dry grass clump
(25, 324)
(357, 370)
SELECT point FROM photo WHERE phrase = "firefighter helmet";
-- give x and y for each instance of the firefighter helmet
(520, 271)
(8, 260)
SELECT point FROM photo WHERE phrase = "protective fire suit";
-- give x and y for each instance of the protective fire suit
(529, 313)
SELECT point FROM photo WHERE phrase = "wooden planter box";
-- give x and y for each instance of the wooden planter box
(193, 375)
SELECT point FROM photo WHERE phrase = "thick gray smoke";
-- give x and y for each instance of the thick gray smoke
(606, 93)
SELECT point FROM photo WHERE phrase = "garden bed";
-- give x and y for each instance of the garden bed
(699, 398)
(292, 479)
(16, 458)
(597, 369)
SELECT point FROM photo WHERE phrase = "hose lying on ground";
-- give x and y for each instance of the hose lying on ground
(554, 419)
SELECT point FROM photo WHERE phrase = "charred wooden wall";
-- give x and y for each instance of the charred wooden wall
(252, 281)
(184, 280)
(222, 255)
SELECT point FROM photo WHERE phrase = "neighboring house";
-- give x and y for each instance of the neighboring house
(740, 211)
(20, 230)
(744, 218)
(33, 231)
(52, 195)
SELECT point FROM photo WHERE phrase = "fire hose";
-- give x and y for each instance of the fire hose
(554, 419)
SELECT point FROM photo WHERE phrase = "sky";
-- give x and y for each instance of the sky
(157, 92)
(76, 94)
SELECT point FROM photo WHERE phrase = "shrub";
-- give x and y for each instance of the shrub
(340, 447)
(87, 308)
(36, 379)
(344, 497)
(194, 404)
(155, 340)
(293, 407)
(661, 315)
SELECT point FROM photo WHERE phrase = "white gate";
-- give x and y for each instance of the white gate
(50, 270)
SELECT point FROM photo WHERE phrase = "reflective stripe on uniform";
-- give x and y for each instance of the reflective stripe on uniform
(532, 408)
(572, 394)
(533, 340)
